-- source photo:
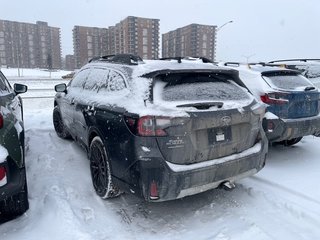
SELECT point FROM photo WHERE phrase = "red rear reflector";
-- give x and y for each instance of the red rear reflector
(154, 195)
(2, 173)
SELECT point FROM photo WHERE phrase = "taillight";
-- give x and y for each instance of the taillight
(153, 126)
(3, 173)
(1, 121)
(148, 125)
(154, 195)
(274, 98)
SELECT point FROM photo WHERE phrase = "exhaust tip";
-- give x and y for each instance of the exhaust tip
(227, 185)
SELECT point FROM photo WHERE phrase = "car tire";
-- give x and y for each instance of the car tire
(15, 205)
(291, 141)
(59, 127)
(101, 170)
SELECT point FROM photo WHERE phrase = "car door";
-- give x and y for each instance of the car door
(12, 122)
(70, 99)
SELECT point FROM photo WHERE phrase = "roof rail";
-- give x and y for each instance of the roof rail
(296, 60)
(237, 64)
(179, 59)
(128, 59)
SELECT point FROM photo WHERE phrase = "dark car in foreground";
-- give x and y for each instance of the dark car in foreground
(161, 129)
(293, 101)
(13, 183)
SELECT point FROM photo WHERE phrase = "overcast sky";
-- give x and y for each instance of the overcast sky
(261, 30)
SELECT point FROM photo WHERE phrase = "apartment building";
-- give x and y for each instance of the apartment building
(89, 42)
(28, 45)
(70, 63)
(136, 35)
(139, 36)
(192, 40)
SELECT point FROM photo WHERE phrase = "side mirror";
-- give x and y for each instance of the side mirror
(62, 87)
(19, 88)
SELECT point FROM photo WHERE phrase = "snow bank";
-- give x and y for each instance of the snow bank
(34, 73)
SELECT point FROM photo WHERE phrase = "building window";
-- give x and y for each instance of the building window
(145, 49)
(145, 40)
(145, 32)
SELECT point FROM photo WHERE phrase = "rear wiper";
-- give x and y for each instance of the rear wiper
(202, 105)
(309, 88)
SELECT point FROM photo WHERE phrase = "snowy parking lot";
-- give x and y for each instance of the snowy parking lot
(280, 202)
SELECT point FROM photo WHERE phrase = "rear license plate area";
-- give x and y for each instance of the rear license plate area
(219, 135)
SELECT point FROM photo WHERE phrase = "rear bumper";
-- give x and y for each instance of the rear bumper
(286, 129)
(176, 181)
(15, 180)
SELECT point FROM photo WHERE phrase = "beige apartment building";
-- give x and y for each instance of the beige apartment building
(89, 42)
(70, 63)
(194, 40)
(135, 35)
(28, 45)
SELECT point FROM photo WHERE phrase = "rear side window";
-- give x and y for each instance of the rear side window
(190, 87)
(287, 81)
(101, 79)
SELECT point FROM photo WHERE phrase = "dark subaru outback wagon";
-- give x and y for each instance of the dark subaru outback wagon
(162, 129)
(13, 184)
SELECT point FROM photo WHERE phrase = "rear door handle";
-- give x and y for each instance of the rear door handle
(72, 102)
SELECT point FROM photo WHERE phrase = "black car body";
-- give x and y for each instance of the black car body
(161, 129)
(13, 185)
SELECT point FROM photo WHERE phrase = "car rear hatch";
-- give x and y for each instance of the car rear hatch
(219, 118)
(294, 96)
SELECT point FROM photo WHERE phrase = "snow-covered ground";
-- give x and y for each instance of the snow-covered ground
(280, 202)
(27, 73)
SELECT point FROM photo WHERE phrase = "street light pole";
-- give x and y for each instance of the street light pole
(219, 28)
(224, 25)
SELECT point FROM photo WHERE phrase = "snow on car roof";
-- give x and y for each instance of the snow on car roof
(149, 66)
(138, 93)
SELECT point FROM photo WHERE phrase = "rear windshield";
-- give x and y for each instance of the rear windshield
(190, 87)
(288, 81)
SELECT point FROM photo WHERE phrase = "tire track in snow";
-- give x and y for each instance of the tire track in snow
(283, 188)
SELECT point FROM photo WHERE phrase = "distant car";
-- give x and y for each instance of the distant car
(310, 68)
(293, 101)
(161, 129)
(13, 183)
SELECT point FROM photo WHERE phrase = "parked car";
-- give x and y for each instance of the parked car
(310, 68)
(293, 101)
(13, 183)
(162, 129)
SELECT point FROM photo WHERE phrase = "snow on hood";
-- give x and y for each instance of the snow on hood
(3, 154)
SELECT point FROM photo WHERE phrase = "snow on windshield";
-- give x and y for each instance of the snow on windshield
(215, 91)
(231, 94)
(289, 82)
